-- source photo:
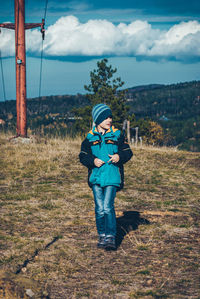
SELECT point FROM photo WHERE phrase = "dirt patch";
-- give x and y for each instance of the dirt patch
(48, 235)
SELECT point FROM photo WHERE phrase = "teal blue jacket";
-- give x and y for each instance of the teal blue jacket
(101, 146)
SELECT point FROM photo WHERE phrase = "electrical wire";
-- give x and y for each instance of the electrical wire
(45, 11)
(41, 64)
(2, 75)
(42, 51)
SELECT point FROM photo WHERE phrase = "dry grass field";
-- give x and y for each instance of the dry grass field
(48, 236)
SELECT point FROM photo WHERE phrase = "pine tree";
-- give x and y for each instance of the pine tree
(103, 88)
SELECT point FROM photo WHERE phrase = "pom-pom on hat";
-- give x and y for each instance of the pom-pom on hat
(100, 112)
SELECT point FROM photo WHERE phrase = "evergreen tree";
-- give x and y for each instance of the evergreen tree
(103, 88)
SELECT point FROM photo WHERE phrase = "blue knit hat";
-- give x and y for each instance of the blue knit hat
(100, 112)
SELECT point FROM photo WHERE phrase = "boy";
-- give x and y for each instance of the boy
(104, 152)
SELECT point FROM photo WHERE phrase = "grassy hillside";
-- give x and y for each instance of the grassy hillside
(48, 236)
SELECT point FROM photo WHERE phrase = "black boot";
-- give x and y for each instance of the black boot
(101, 243)
(110, 243)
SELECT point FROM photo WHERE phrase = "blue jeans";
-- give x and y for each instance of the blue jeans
(104, 209)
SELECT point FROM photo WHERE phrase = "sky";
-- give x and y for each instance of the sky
(148, 41)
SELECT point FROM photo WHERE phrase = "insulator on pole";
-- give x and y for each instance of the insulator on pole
(42, 29)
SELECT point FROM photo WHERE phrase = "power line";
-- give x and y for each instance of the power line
(2, 75)
(41, 63)
(42, 51)
(45, 11)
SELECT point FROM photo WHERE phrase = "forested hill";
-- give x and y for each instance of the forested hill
(176, 107)
(180, 100)
(61, 104)
(176, 101)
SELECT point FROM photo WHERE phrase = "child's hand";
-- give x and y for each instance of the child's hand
(98, 162)
(114, 158)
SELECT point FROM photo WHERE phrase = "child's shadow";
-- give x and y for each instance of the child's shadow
(129, 221)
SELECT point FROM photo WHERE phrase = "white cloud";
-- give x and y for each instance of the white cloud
(182, 40)
(7, 42)
(69, 37)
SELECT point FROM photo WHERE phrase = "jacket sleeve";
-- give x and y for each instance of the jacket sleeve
(86, 157)
(124, 151)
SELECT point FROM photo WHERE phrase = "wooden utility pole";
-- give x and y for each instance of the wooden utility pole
(20, 59)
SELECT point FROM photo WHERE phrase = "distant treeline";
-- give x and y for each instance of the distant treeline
(175, 107)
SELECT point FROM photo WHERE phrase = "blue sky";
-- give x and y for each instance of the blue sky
(147, 41)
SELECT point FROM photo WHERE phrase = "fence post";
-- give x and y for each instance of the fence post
(136, 136)
(128, 131)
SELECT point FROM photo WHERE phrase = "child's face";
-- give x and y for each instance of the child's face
(106, 124)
